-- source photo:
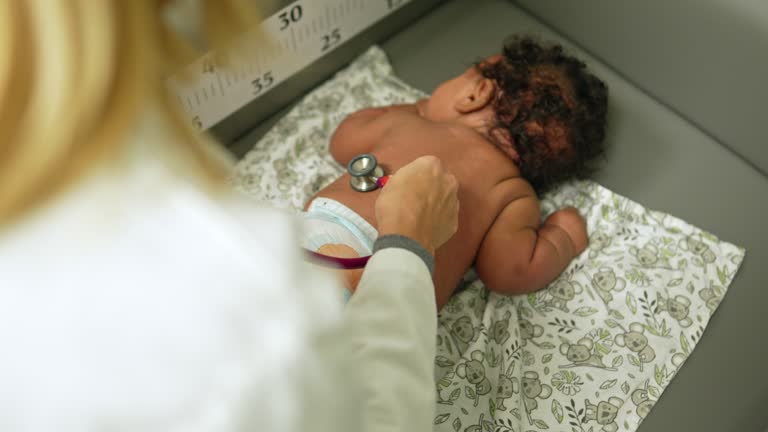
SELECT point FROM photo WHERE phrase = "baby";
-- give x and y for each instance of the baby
(508, 128)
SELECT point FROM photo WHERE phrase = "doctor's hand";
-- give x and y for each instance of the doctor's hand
(420, 201)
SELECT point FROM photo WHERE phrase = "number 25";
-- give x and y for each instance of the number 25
(331, 39)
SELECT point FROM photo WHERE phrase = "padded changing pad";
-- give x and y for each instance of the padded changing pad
(591, 352)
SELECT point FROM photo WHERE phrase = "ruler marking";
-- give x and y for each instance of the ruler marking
(326, 23)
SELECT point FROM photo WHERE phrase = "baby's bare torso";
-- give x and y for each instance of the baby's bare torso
(488, 181)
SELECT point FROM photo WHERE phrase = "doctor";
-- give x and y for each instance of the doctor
(139, 293)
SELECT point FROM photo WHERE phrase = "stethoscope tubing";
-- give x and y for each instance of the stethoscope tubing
(338, 262)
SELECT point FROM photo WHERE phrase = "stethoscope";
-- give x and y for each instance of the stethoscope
(366, 173)
(366, 176)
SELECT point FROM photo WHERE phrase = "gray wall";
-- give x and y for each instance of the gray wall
(706, 59)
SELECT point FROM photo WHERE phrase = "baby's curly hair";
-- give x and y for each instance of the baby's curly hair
(549, 108)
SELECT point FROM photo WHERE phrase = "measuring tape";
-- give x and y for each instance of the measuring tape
(300, 33)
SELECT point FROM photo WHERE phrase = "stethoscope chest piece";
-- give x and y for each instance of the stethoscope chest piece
(365, 172)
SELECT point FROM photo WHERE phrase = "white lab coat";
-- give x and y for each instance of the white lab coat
(134, 301)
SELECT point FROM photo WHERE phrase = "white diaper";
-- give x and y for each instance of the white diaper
(328, 221)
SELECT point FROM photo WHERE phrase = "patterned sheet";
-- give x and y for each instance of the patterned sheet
(594, 350)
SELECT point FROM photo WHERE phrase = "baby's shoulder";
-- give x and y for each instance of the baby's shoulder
(517, 189)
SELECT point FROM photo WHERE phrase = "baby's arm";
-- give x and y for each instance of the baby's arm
(518, 256)
(360, 131)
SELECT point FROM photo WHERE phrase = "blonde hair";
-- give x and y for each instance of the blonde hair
(74, 77)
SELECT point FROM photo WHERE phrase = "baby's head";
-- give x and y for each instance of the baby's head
(537, 104)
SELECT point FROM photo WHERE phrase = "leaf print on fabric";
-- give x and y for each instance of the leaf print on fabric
(585, 311)
(674, 282)
(608, 384)
(457, 424)
(557, 410)
(660, 374)
(574, 416)
(631, 303)
(625, 387)
(684, 343)
(617, 361)
(563, 326)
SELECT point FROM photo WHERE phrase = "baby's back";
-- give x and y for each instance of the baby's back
(488, 181)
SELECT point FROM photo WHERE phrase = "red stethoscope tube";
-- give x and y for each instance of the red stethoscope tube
(337, 262)
(382, 181)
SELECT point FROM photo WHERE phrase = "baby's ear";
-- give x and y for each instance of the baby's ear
(476, 96)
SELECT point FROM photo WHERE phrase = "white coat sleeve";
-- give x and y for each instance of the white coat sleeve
(392, 326)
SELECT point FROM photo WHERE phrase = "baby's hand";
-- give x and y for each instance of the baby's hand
(570, 221)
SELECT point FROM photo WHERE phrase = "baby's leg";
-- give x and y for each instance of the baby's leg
(351, 277)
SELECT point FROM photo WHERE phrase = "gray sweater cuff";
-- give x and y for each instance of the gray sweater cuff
(403, 242)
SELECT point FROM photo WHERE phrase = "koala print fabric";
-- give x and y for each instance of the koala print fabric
(591, 352)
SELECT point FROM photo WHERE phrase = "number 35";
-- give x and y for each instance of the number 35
(263, 82)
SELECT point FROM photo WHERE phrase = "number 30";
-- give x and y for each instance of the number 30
(290, 16)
